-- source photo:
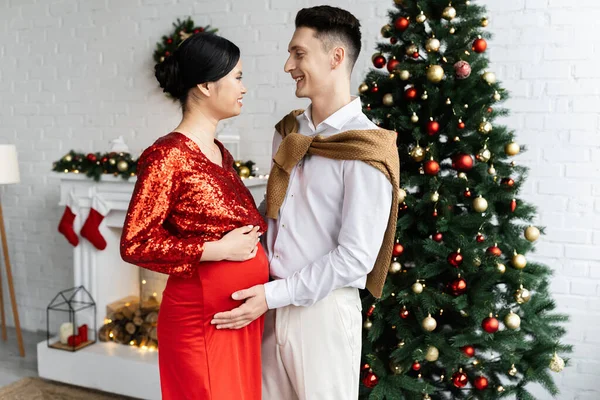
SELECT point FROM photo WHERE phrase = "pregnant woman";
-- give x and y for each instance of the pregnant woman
(192, 217)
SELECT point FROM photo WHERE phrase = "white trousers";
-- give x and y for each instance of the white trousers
(313, 353)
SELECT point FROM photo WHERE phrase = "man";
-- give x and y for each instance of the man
(329, 209)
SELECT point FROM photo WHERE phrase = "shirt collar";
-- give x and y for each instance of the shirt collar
(338, 119)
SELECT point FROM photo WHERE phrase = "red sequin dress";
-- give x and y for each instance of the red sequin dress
(182, 200)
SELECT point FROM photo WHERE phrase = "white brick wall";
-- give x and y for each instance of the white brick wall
(77, 73)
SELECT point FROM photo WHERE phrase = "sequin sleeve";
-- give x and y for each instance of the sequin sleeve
(145, 241)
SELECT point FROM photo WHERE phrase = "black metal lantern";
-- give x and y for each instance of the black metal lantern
(71, 320)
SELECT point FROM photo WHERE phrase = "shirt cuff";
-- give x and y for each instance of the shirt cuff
(276, 294)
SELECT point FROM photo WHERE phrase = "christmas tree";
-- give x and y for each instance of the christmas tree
(464, 314)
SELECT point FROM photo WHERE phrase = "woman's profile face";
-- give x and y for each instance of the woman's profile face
(227, 99)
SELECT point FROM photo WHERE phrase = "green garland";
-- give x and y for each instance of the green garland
(182, 31)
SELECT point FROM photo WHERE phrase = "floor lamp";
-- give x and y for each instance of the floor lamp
(9, 173)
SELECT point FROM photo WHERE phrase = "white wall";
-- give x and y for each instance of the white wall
(76, 73)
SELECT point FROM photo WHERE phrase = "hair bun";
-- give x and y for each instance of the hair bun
(169, 77)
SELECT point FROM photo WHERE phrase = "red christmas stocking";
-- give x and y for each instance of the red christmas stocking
(90, 229)
(65, 225)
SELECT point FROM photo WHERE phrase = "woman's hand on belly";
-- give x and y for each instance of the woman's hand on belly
(255, 305)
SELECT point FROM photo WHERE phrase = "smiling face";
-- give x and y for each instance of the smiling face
(309, 63)
(226, 99)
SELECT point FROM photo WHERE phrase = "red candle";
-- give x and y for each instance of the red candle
(83, 332)
(74, 341)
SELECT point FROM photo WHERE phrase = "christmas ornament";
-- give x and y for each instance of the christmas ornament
(452, 30)
(481, 382)
(489, 77)
(91, 157)
(491, 170)
(480, 204)
(424, 96)
(378, 60)
(462, 175)
(386, 31)
(416, 366)
(477, 262)
(393, 40)
(518, 261)
(479, 45)
(461, 124)
(404, 313)
(404, 75)
(401, 24)
(396, 368)
(485, 127)
(522, 295)
(421, 18)
(460, 379)
(244, 172)
(532, 233)
(501, 268)
(455, 259)
(411, 50)
(371, 310)
(435, 73)
(395, 267)
(432, 354)
(449, 13)
(557, 364)
(414, 118)
(123, 166)
(398, 250)
(512, 320)
(448, 101)
(513, 205)
(435, 213)
(432, 167)
(469, 351)
(426, 397)
(513, 370)
(480, 238)
(417, 287)
(375, 88)
(417, 153)
(458, 286)
(490, 324)
(432, 44)
(512, 149)
(462, 162)
(392, 65)
(370, 380)
(497, 96)
(401, 195)
(368, 325)
(438, 237)
(435, 197)
(484, 22)
(432, 127)
(500, 389)
(484, 154)
(467, 193)
(462, 69)
(112, 161)
(388, 99)
(429, 323)
(508, 182)
(363, 88)
(494, 250)
(410, 93)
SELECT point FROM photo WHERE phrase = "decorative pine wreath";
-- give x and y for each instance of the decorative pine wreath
(182, 30)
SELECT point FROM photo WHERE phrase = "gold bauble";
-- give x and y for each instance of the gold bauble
(557, 364)
(411, 49)
(417, 287)
(426, 396)
(512, 320)
(386, 31)
(368, 324)
(513, 370)
(519, 261)
(501, 268)
(484, 155)
(404, 75)
(401, 195)
(238, 163)
(497, 96)
(462, 175)
(432, 44)
(395, 267)
(452, 30)
(424, 96)
(418, 153)
(112, 161)
(489, 77)
(480, 204)
(388, 99)
(492, 170)
(363, 88)
(532, 233)
(244, 172)
(421, 18)
(435, 196)
(435, 73)
(512, 149)
(414, 118)
(449, 13)
(522, 295)
(429, 323)
(123, 166)
(477, 261)
(432, 354)
(485, 127)
(68, 158)
(484, 22)
(500, 389)
(396, 368)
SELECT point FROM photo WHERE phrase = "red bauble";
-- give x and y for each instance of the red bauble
(468, 193)
(462, 69)
(401, 23)
(433, 127)
(199, 30)
(91, 157)
(169, 41)
(393, 40)
(416, 366)
(508, 182)
(455, 259)
(370, 380)
(392, 65)
(375, 89)
(479, 45)
(458, 286)
(167, 53)
(366, 367)
(435, 212)
(495, 251)
(490, 325)
(513, 205)
(469, 351)
(461, 125)
(379, 61)
(398, 249)
(410, 93)
(404, 313)
(431, 167)
(415, 54)
(460, 379)
(403, 207)
(371, 310)
(437, 237)
(490, 109)
(481, 382)
(462, 162)
(480, 238)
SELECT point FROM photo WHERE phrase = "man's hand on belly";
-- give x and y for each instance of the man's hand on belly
(254, 306)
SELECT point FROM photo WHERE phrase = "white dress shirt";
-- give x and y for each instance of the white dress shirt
(332, 221)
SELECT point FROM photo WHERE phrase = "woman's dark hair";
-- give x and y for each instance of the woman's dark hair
(203, 57)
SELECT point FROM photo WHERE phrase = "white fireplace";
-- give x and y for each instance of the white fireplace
(108, 366)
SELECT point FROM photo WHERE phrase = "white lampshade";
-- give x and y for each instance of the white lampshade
(9, 167)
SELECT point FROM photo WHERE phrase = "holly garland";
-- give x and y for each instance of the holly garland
(182, 30)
